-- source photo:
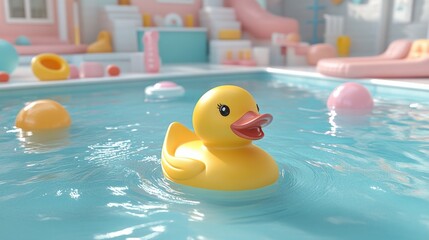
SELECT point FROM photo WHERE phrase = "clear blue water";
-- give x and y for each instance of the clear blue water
(341, 178)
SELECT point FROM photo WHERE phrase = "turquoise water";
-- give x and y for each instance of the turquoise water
(341, 178)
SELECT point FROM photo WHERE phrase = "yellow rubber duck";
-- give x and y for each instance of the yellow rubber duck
(220, 154)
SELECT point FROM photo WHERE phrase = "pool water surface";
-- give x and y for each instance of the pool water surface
(341, 177)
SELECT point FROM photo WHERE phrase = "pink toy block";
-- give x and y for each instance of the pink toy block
(74, 72)
(393, 63)
(91, 70)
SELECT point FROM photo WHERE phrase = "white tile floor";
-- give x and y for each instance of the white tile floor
(23, 77)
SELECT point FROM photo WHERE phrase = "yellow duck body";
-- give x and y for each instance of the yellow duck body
(220, 154)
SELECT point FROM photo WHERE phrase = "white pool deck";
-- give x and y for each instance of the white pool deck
(23, 78)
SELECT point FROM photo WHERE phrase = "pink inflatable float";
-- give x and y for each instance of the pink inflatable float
(259, 22)
(321, 51)
(402, 59)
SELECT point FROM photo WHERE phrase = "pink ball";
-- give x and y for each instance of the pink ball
(320, 51)
(74, 72)
(351, 98)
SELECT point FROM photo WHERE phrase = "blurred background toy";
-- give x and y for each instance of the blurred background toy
(173, 20)
(22, 41)
(49, 67)
(8, 57)
(102, 45)
(4, 77)
(151, 54)
(91, 70)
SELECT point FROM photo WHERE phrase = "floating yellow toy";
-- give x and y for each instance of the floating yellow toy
(43, 115)
(220, 154)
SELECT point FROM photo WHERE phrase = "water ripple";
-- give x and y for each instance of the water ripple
(340, 178)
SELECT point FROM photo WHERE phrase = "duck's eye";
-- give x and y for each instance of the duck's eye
(224, 110)
(257, 106)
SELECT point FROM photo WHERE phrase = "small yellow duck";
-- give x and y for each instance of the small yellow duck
(220, 154)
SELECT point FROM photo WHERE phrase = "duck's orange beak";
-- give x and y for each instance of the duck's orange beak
(250, 125)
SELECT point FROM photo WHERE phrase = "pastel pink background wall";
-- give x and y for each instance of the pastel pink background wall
(10, 31)
(153, 7)
(70, 26)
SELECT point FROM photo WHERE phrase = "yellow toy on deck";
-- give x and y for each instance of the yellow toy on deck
(220, 154)
(102, 45)
(50, 67)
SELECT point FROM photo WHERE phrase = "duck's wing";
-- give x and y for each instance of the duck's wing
(178, 167)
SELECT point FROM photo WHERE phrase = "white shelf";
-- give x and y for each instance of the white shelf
(121, 9)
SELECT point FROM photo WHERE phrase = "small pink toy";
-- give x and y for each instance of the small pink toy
(151, 53)
(350, 98)
(113, 70)
(91, 70)
(4, 77)
(74, 72)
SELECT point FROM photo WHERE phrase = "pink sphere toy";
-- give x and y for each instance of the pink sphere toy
(350, 98)
(74, 72)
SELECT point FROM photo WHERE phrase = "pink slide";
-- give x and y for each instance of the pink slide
(260, 23)
(397, 61)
